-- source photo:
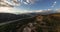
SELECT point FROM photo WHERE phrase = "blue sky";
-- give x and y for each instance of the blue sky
(26, 6)
(40, 5)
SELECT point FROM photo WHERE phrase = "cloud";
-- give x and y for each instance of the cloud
(54, 4)
(29, 1)
(18, 11)
(7, 7)
(25, 3)
(11, 3)
(16, 2)
(13, 10)
(5, 3)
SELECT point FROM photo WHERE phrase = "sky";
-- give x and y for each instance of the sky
(30, 5)
(40, 4)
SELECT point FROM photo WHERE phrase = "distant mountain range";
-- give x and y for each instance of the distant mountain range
(58, 11)
(9, 17)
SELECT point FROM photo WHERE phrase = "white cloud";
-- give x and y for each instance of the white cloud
(16, 11)
(16, 2)
(25, 3)
(13, 3)
(10, 3)
(5, 10)
(9, 9)
(13, 10)
(29, 1)
(54, 4)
